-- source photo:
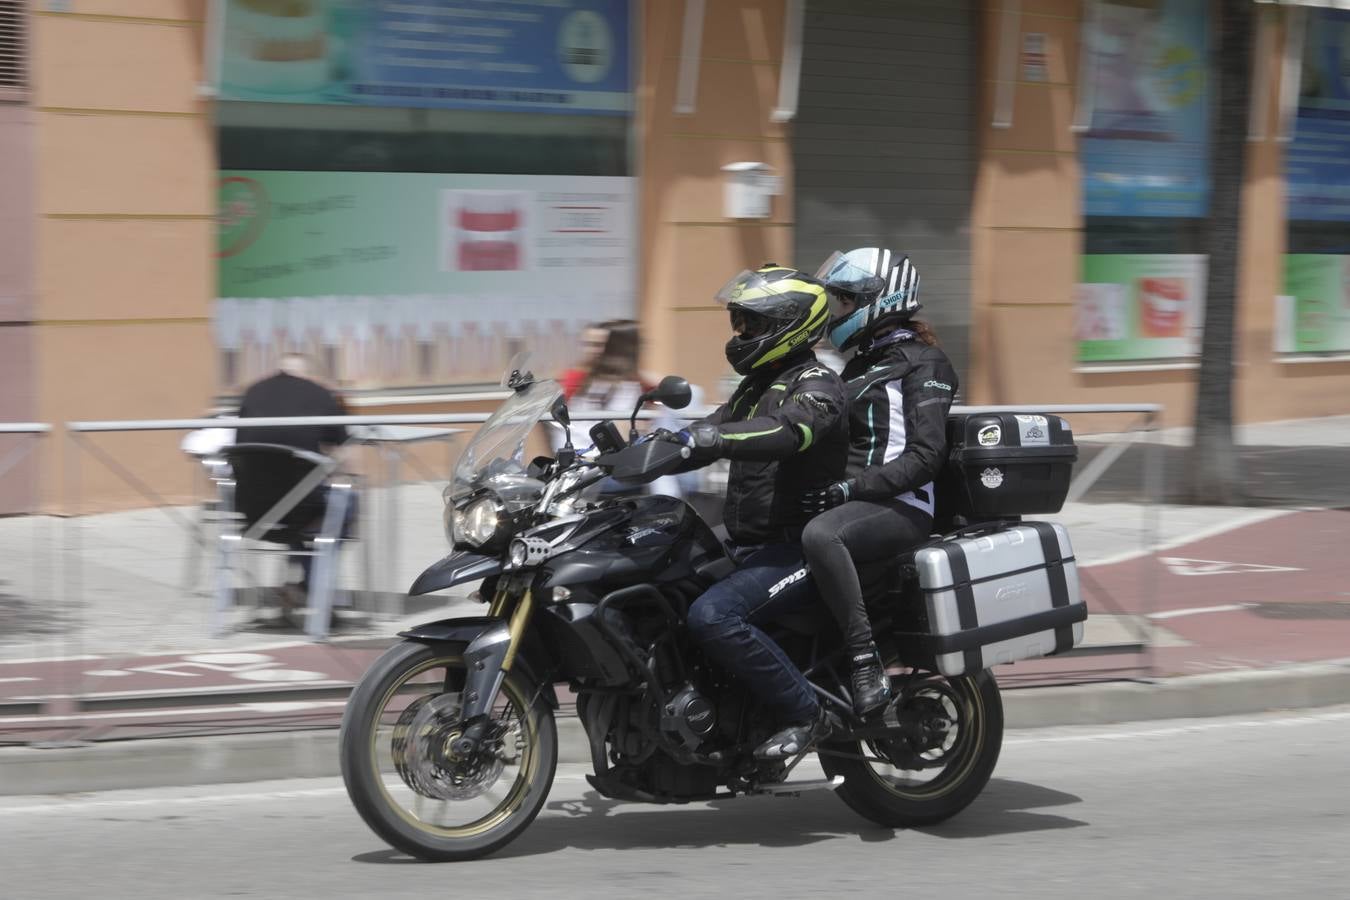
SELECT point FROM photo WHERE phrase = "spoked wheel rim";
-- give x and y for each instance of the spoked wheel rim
(423, 780)
(941, 746)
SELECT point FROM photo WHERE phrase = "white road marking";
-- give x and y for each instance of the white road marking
(44, 659)
(1180, 565)
(1198, 610)
(13, 680)
(1272, 722)
(1240, 519)
(168, 692)
(170, 714)
(82, 804)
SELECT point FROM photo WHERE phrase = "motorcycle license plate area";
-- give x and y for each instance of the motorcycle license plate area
(996, 598)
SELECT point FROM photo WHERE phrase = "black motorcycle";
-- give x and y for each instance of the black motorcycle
(449, 744)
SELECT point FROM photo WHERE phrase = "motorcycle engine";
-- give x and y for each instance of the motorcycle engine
(689, 718)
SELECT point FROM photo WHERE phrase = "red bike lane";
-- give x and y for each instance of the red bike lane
(1268, 594)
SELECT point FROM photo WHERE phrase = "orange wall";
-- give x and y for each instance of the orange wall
(124, 231)
(689, 249)
(17, 492)
(1028, 237)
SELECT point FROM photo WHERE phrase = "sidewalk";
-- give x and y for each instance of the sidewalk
(1241, 591)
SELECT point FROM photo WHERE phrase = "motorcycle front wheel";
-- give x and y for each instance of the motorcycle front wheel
(405, 780)
(941, 753)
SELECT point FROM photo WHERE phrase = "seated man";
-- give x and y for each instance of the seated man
(785, 432)
(289, 392)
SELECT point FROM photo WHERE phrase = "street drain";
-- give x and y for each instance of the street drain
(1332, 609)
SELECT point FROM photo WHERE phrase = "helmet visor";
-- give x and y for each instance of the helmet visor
(843, 273)
(841, 303)
(748, 324)
(756, 292)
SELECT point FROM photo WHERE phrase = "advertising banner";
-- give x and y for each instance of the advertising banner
(569, 56)
(1317, 161)
(418, 278)
(1146, 149)
(1314, 314)
(1139, 307)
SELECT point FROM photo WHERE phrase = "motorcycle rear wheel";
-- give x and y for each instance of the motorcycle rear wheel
(960, 758)
(407, 786)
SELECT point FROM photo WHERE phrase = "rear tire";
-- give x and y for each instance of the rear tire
(366, 748)
(895, 802)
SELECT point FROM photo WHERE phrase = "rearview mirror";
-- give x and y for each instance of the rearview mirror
(560, 413)
(673, 392)
(563, 418)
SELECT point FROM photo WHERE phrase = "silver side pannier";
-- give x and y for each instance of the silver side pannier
(996, 597)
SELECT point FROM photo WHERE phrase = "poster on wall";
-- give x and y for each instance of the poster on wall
(555, 55)
(1317, 160)
(1313, 316)
(1139, 307)
(1146, 149)
(403, 279)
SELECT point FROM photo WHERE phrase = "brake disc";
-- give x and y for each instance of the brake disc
(421, 745)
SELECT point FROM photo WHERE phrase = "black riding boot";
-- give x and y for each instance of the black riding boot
(799, 737)
(871, 684)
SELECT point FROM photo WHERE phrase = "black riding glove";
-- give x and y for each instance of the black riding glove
(702, 439)
(813, 502)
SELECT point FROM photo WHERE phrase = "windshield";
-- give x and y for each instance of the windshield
(495, 458)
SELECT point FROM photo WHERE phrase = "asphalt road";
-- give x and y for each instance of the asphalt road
(1231, 808)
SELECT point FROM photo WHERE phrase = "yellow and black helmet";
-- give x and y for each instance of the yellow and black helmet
(776, 311)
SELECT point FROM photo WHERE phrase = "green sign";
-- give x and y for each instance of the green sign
(306, 234)
(1139, 307)
(1313, 316)
(401, 279)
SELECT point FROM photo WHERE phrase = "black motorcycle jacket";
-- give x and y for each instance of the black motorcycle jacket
(898, 398)
(786, 433)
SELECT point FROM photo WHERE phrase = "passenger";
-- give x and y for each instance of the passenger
(900, 386)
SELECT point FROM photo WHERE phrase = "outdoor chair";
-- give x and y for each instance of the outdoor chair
(282, 495)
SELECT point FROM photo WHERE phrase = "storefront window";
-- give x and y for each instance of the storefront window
(1144, 158)
(1313, 314)
(411, 193)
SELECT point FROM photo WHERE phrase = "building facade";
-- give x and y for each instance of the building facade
(187, 189)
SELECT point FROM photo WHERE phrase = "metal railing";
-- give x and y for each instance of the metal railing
(81, 696)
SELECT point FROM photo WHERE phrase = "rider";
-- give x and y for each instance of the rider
(900, 387)
(785, 433)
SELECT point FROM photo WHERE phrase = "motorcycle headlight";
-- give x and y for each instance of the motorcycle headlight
(478, 523)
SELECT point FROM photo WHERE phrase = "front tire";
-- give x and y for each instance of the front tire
(884, 781)
(411, 789)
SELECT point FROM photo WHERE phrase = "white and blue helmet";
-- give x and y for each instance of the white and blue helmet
(867, 286)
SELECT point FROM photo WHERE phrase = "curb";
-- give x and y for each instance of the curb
(168, 762)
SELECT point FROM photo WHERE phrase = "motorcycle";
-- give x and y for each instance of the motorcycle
(449, 744)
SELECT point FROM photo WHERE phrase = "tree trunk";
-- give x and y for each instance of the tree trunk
(1213, 473)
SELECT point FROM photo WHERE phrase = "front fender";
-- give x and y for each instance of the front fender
(457, 568)
(464, 631)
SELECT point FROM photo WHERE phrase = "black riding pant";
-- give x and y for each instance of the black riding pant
(836, 541)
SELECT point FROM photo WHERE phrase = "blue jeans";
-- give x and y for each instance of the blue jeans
(724, 622)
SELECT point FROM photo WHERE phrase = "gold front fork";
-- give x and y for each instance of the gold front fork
(519, 619)
(498, 607)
